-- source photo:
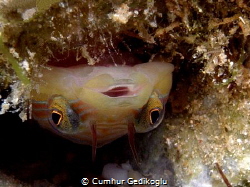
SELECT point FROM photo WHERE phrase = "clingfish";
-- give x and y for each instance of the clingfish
(95, 105)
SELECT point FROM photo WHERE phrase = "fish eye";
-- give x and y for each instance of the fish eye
(154, 115)
(56, 117)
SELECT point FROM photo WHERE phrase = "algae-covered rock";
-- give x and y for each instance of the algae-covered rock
(72, 32)
(204, 140)
(208, 124)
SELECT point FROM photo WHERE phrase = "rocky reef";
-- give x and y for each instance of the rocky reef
(204, 139)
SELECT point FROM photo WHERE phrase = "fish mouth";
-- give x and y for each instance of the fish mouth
(127, 90)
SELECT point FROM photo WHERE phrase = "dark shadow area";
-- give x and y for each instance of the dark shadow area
(31, 154)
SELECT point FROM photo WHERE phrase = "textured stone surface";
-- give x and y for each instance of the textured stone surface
(207, 121)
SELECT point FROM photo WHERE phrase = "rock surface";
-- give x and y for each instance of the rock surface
(207, 123)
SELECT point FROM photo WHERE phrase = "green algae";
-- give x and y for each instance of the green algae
(14, 63)
(207, 41)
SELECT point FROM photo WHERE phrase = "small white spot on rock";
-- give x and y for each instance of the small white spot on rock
(25, 65)
(29, 13)
(23, 116)
(121, 15)
(239, 141)
(5, 107)
(115, 171)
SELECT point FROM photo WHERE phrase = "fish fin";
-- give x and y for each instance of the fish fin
(131, 139)
(94, 141)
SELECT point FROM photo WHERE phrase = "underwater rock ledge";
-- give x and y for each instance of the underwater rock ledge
(207, 120)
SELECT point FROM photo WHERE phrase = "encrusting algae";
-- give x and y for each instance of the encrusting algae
(204, 139)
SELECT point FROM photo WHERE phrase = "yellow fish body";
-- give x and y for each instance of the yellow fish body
(95, 105)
